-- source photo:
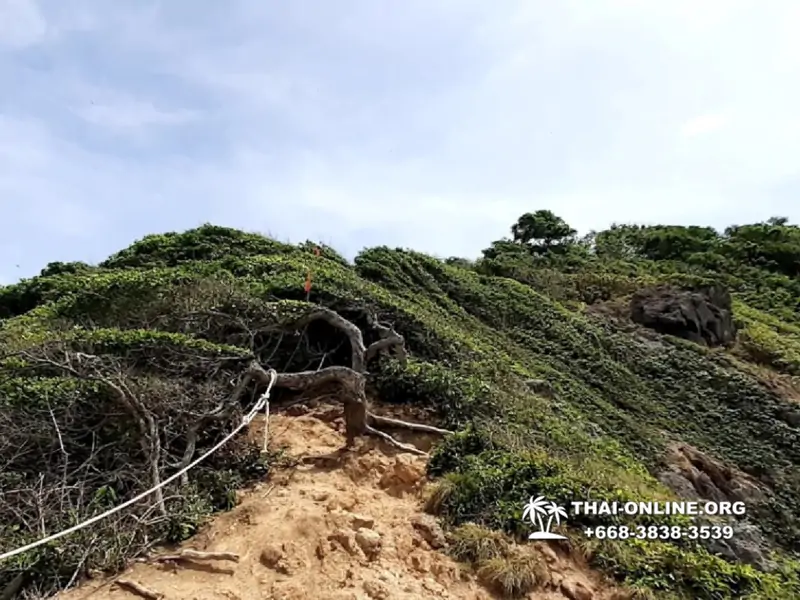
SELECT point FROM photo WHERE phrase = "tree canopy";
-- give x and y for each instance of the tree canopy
(542, 231)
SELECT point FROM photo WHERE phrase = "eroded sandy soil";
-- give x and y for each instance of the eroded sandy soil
(350, 530)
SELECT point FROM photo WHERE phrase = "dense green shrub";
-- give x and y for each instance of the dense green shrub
(545, 305)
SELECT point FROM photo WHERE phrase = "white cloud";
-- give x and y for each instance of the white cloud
(703, 124)
(21, 23)
(433, 126)
(131, 115)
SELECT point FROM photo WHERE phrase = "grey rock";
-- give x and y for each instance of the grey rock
(701, 315)
(679, 484)
(745, 546)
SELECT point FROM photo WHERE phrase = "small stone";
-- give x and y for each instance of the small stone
(274, 557)
(430, 530)
(419, 562)
(407, 469)
(405, 472)
(321, 551)
(575, 590)
(297, 410)
(369, 541)
(445, 571)
(376, 589)
(359, 521)
(549, 554)
(345, 539)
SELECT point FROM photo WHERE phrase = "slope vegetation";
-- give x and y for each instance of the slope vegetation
(115, 375)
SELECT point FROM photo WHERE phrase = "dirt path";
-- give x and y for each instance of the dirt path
(349, 531)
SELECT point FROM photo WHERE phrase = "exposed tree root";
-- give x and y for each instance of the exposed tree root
(390, 422)
(359, 421)
(386, 437)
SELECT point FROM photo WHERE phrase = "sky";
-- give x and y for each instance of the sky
(427, 124)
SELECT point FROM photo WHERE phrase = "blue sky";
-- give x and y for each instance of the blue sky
(430, 124)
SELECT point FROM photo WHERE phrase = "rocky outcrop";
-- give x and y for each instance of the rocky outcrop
(746, 545)
(701, 315)
(693, 475)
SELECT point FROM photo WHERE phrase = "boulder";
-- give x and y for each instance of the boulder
(694, 475)
(701, 315)
(745, 546)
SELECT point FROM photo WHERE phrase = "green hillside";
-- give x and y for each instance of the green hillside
(105, 367)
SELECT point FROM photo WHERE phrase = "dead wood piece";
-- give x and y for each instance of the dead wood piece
(189, 554)
(139, 589)
(390, 422)
(397, 444)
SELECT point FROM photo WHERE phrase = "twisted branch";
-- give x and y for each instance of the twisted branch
(359, 420)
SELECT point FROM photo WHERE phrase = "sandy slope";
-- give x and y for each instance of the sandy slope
(350, 530)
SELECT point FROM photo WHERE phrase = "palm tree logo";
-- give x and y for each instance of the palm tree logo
(538, 507)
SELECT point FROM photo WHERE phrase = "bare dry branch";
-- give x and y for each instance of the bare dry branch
(139, 589)
(389, 422)
(397, 444)
(221, 412)
(189, 554)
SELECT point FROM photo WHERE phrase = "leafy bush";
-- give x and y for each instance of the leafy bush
(175, 316)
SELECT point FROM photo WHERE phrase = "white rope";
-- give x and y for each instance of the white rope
(266, 423)
(262, 401)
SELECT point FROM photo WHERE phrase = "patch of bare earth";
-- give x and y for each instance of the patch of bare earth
(350, 528)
